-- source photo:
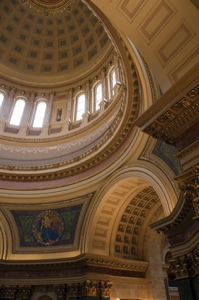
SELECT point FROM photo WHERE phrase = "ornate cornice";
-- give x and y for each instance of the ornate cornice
(176, 119)
(187, 151)
(187, 265)
(187, 207)
(75, 268)
(175, 112)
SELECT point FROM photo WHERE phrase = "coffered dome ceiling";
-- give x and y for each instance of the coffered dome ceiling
(51, 49)
(44, 40)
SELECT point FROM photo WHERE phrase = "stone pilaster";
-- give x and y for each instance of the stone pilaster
(104, 87)
(87, 94)
(27, 117)
(49, 109)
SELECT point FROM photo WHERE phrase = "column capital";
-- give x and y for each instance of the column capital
(60, 291)
(8, 292)
(25, 292)
(105, 287)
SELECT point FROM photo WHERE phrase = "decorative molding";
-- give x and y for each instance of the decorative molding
(187, 265)
(75, 270)
(186, 209)
(156, 20)
(188, 62)
(175, 120)
(175, 41)
(130, 9)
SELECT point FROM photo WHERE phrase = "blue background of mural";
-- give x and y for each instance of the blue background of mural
(167, 154)
(25, 220)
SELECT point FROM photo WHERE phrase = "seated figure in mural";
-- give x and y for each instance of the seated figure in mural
(46, 233)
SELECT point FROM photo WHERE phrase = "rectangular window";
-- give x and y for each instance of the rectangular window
(59, 114)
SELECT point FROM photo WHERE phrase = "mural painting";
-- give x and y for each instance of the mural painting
(47, 228)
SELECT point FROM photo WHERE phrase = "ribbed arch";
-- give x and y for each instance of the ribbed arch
(128, 185)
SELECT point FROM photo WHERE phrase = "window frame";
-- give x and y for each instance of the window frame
(16, 115)
(96, 103)
(1, 100)
(111, 85)
(76, 118)
(40, 101)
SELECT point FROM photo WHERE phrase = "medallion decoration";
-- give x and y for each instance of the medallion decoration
(48, 227)
(49, 6)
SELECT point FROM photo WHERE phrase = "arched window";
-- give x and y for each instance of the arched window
(17, 112)
(80, 106)
(98, 96)
(39, 114)
(1, 99)
(113, 82)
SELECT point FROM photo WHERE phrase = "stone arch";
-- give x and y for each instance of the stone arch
(5, 238)
(113, 200)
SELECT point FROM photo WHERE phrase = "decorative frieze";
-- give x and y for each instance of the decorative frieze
(88, 288)
(175, 121)
(174, 113)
